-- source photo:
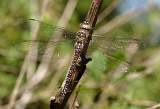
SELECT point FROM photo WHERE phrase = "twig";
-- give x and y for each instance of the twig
(150, 64)
(35, 28)
(122, 19)
(50, 90)
(16, 88)
(115, 74)
(42, 70)
(79, 61)
(46, 59)
(157, 106)
(74, 104)
(108, 10)
(27, 60)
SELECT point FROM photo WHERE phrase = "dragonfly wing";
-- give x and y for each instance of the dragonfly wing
(115, 48)
(47, 29)
(39, 46)
(115, 44)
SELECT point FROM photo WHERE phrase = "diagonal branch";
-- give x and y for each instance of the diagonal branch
(79, 61)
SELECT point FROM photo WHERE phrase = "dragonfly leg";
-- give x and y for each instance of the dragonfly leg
(83, 60)
(82, 66)
(86, 59)
(75, 82)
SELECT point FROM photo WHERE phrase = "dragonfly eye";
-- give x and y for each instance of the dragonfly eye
(85, 25)
(86, 22)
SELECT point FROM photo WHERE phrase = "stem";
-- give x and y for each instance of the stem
(79, 61)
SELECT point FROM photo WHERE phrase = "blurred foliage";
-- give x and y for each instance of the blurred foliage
(101, 87)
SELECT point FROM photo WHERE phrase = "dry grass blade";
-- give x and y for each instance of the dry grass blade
(122, 19)
(157, 106)
(108, 10)
(26, 64)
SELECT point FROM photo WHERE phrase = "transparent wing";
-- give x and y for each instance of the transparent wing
(38, 48)
(115, 48)
(47, 29)
(114, 44)
(108, 45)
(45, 34)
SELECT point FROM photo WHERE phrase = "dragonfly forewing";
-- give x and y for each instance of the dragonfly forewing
(50, 29)
(108, 45)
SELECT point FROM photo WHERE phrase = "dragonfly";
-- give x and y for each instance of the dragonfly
(108, 45)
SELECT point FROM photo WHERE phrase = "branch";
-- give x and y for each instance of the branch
(79, 60)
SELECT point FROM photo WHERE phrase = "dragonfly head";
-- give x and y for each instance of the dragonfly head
(85, 25)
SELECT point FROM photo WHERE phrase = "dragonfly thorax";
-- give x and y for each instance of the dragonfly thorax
(81, 35)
